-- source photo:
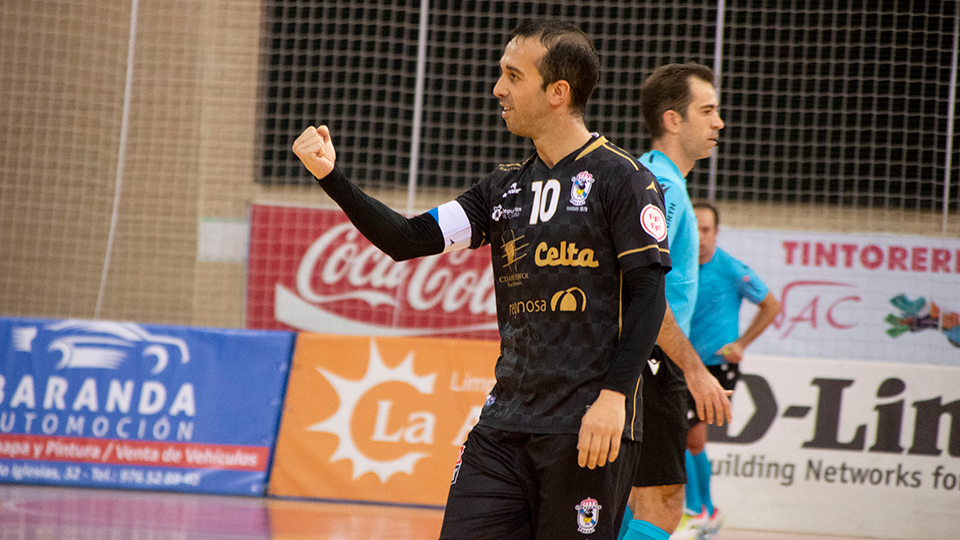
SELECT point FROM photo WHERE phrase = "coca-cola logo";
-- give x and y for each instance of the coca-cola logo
(343, 284)
(356, 269)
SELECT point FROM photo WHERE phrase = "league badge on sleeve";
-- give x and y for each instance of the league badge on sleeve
(588, 515)
(653, 221)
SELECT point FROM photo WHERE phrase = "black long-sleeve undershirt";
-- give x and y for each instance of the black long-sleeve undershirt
(641, 324)
(396, 235)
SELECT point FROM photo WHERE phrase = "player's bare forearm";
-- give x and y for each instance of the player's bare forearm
(601, 429)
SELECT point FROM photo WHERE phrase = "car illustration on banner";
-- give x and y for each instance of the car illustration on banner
(101, 344)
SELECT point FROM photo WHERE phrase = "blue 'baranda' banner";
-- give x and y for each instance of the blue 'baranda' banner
(122, 405)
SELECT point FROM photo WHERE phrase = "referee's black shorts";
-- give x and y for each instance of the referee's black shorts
(665, 423)
(523, 486)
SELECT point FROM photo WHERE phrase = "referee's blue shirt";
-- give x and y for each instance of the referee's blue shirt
(682, 235)
(724, 283)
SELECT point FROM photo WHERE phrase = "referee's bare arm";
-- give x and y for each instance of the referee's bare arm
(713, 402)
(769, 309)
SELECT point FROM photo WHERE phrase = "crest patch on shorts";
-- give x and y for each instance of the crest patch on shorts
(588, 514)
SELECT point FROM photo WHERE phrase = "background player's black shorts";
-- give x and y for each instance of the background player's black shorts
(521, 486)
(665, 424)
(727, 375)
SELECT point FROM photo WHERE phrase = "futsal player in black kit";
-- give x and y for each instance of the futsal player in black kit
(579, 248)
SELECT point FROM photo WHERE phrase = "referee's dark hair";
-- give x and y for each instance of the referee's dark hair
(710, 207)
(668, 89)
(570, 57)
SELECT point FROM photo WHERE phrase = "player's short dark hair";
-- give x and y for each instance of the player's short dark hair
(668, 89)
(710, 207)
(570, 57)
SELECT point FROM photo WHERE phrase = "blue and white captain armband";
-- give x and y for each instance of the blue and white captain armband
(453, 224)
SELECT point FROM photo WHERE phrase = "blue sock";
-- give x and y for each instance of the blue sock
(627, 518)
(643, 530)
(692, 493)
(703, 474)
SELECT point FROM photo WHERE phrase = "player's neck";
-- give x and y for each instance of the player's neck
(562, 139)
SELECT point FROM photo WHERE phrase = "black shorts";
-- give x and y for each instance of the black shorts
(665, 424)
(521, 486)
(727, 375)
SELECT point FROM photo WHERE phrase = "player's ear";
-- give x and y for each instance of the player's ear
(559, 93)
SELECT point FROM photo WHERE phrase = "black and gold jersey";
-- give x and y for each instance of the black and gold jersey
(561, 238)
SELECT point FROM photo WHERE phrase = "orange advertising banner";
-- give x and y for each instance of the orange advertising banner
(379, 418)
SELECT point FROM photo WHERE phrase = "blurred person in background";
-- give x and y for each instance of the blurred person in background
(724, 283)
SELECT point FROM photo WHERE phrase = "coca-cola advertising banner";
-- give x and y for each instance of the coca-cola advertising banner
(864, 297)
(845, 448)
(861, 297)
(310, 269)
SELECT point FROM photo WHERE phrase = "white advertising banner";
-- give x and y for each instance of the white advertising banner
(863, 297)
(868, 449)
(847, 418)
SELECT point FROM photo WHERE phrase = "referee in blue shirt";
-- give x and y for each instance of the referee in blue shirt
(680, 109)
(715, 334)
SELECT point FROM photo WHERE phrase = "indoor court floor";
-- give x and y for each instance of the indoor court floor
(56, 513)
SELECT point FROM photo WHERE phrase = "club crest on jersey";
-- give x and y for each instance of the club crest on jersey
(588, 514)
(653, 221)
(582, 183)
